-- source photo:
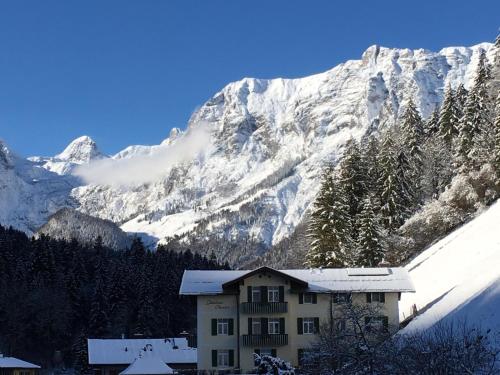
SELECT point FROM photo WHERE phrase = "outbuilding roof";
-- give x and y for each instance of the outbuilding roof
(11, 362)
(391, 279)
(125, 351)
(147, 364)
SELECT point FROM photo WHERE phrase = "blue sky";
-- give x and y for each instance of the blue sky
(125, 72)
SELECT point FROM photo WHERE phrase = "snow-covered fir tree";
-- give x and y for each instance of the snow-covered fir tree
(496, 131)
(431, 126)
(476, 120)
(449, 116)
(369, 242)
(330, 226)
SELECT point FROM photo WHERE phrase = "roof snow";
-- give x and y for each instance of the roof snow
(319, 280)
(125, 351)
(147, 364)
(11, 362)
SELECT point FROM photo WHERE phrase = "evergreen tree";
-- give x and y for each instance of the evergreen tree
(329, 226)
(369, 243)
(448, 117)
(431, 126)
(496, 127)
(476, 119)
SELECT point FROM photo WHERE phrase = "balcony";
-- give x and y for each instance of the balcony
(264, 307)
(265, 340)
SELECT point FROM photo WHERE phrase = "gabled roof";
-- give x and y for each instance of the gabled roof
(393, 279)
(11, 362)
(147, 364)
(125, 351)
(264, 269)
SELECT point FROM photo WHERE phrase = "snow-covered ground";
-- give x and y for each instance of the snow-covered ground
(458, 278)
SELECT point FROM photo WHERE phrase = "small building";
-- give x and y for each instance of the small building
(147, 365)
(279, 312)
(115, 356)
(14, 366)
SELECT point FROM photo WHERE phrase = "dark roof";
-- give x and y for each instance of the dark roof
(264, 269)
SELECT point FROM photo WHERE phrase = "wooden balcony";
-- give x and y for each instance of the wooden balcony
(265, 340)
(264, 307)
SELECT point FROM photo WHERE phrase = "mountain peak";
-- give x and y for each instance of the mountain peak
(81, 150)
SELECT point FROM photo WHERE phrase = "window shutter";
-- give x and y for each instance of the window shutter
(300, 356)
(315, 298)
(231, 357)
(263, 293)
(264, 328)
(382, 297)
(301, 298)
(250, 326)
(316, 325)
(282, 293)
(273, 353)
(214, 327)
(214, 358)
(249, 293)
(299, 326)
(282, 326)
(368, 297)
(256, 351)
(230, 329)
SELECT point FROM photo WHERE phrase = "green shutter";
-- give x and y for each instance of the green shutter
(250, 326)
(301, 298)
(230, 327)
(282, 293)
(315, 298)
(249, 293)
(282, 326)
(231, 357)
(316, 325)
(214, 327)
(368, 297)
(273, 353)
(264, 328)
(300, 356)
(263, 294)
(382, 297)
(299, 326)
(214, 358)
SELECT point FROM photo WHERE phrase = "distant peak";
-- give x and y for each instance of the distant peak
(81, 150)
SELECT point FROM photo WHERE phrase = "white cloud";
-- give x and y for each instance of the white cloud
(141, 169)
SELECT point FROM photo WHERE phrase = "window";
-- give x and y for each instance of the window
(341, 297)
(340, 325)
(375, 297)
(273, 294)
(376, 323)
(222, 326)
(309, 298)
(308, 326)
(256, 295)
(274, 326)
(256, 327)
(222, 358)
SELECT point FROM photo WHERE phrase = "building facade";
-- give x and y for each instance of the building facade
(279, 313)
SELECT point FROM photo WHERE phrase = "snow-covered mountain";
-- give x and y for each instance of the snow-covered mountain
(258, 174)
(458, 278)
(82, 150)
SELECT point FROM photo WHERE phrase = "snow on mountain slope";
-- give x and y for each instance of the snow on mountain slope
(459, 277)
(82, 150)
(29, 193)
(269, 139)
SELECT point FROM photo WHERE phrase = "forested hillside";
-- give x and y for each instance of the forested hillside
(54, 294)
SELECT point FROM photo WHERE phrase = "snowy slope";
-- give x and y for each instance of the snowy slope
(269, 139)
(459, 277)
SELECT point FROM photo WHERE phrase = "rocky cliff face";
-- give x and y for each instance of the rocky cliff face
(259, 172)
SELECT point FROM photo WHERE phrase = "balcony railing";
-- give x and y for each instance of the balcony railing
(265, 340)
(264, 307)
